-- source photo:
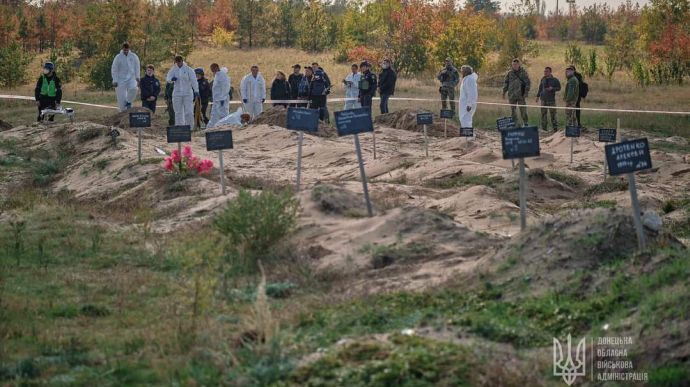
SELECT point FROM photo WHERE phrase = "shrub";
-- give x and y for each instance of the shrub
(254, 223)
(13, 64)
(222, 38)
(573, 55)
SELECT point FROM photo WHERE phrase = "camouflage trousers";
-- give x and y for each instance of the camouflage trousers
(545, 112)
(571, 114)
(514, 102)
(448, 94)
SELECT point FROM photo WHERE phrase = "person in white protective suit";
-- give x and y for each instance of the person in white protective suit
(468, 96)
(351, 83)
(220, 93)
(126, 72)
(186, 89)
(253, 91)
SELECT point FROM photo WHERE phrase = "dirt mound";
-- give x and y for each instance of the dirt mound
(277, 116)
(568, 247)
(406, 119)
(337, 200)
(121, 120)
(5, 125)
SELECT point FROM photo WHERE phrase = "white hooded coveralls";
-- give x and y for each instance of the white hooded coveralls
(468, 97)
(254, 91)
(221, 95)
(352, 91)
(125, 71)
(186, 86)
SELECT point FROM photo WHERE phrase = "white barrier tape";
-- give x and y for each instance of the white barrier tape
(330, 100)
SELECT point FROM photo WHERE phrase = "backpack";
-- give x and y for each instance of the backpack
(303, 88)
(584, 87)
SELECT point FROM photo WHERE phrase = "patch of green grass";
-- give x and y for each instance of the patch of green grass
(386, 255)
(669, 376)
(565, 178)
(101, 164)
(402, 361)
(464, 181)
(673, 204)
(612, 184)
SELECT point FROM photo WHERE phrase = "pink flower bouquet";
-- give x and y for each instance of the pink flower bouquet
(186, 163)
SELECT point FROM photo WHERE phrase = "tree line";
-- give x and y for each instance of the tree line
(652, 43)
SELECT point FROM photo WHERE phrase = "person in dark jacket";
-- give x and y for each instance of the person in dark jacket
(169, 87)
(150, 89)
(280, 89)
(48, 92)
(305, 85)
(583, 89)
(204, 94)
(387, 79)
(367, 85)
(548, 87)
(319, 72)
(318, 89)
(294, 79)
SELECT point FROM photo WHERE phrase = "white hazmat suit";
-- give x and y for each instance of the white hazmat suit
(468, 97)
(253, 89)
(186, 86)
(221, 95)
(126, 71)
(352, 91)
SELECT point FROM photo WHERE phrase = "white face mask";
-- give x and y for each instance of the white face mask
(385, 65)
(46, 71)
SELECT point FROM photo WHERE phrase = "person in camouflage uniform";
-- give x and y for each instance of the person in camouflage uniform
(517, 85)
(571, 96)
(548, 87)
(449, 78)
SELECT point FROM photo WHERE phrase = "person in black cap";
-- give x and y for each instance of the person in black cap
(294, 79)
(48, 92)
(204, 95)
(367, 85)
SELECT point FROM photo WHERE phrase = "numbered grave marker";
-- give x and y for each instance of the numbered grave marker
(218, 141)
(572, 132)
(425, 119)
(466, 132)
(178, 134)
(139, 120)
(627, 157)
(446, 114)
(353, 122)
(607, 135)
(505, 123)
(517, 144)
(302, 120)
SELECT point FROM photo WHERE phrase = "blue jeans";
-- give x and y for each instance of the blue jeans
(384, 103)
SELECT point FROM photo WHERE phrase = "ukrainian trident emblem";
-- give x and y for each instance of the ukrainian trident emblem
(565, 366)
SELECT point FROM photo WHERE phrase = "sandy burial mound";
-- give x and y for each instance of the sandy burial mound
(277, 116)
(121, 120)
(406, 248)
(406, 119)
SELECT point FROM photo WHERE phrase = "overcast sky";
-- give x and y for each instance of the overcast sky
(551, 4)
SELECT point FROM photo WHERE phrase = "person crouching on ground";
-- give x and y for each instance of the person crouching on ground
(468, 96)
(150, 89)
(48, 92)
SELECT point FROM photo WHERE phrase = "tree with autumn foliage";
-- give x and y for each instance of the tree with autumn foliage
(466, 40)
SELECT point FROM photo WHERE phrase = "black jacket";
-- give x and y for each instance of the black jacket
(369, 78)
(150, 87)
(204, 90)
(545, 95)
(280, 89)
(58, 87)
(387, 80)
(294, 80)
